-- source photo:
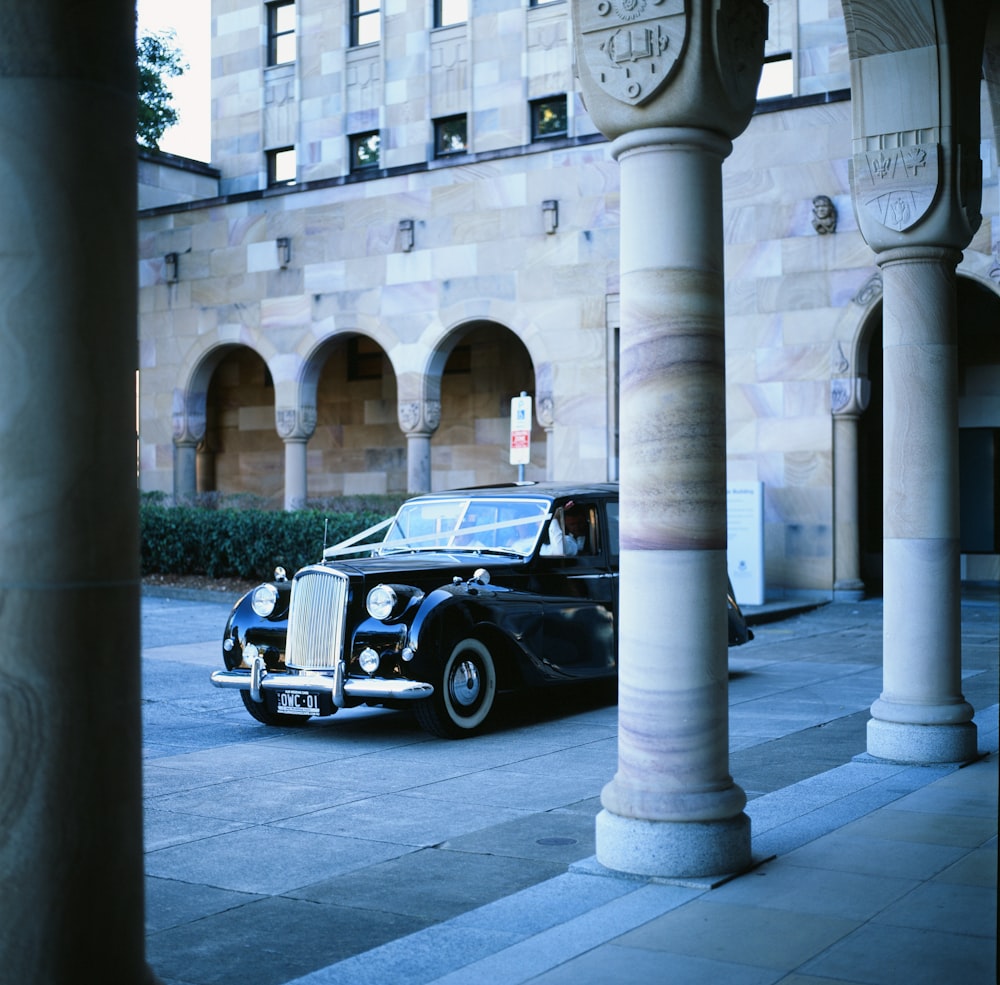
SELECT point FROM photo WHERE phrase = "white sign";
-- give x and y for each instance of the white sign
(745, 547)
(520, 430)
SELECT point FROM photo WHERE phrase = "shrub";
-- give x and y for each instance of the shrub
(223, 541)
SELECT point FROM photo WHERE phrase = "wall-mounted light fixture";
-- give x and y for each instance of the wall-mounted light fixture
(284, 245)
(406, 235)
(550, 215)
(170, 268)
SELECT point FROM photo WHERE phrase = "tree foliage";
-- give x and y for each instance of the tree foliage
(158, 59)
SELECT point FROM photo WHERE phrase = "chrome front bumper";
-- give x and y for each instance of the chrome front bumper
(256, 680)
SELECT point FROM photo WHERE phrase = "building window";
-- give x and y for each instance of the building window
(447, 12)
(450, 136)
(281, 166)
(366, 22)
(548, 118)
(280, 32)
(364, 151)
(776, 77)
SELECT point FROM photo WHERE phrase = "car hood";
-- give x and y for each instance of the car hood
(421, 566)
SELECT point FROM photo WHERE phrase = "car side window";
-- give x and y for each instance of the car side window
(573, 531)
(612, 511)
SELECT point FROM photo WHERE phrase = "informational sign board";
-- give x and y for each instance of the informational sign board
(745, 548)
(520, 430)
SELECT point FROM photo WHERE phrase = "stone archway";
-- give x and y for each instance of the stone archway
(480, 366)
(356, 447)
(240, 452)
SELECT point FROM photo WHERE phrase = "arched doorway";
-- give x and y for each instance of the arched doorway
(241, 452)
(485, 366)
(978, 339)
(357, 447)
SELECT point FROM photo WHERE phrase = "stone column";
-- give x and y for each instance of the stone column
(921, 715)
(672, 809)
(419, 419)
(189, 424)
(71, 856)
(295, 427)
(917, 186)
(545, 412)
(848, 401)
(185, 469)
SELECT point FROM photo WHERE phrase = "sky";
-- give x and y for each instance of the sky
(191, 20)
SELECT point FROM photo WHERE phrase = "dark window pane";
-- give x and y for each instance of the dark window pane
(548, 117)
(364, 151)
(450, 136)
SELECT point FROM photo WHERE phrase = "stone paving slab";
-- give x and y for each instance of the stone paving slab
(361, 849)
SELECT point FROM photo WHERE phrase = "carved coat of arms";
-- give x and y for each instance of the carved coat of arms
(896, 185)
(631, 46)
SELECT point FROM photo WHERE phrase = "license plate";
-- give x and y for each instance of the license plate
(298, 703)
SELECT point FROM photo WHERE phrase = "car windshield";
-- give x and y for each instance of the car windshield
(508, 526)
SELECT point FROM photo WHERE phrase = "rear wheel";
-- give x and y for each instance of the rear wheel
(464, 698)
(259, 711)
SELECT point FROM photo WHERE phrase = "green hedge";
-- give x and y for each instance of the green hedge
(230, 542)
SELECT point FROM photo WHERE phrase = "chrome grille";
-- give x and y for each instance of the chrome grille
(316, 619)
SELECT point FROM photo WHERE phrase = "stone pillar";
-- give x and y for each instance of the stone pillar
(189, 424)
(672, 809)
(295, 427)
(921, 715)
(185, 469)
(419, 419)
(848, 401)
(71, 856)
(545, 412)
(917, 186)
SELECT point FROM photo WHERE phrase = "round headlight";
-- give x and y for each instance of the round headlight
(264, 599)
(381, 601)
(368, 659)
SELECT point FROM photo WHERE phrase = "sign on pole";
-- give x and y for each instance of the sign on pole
(520, 430)
(745, 549)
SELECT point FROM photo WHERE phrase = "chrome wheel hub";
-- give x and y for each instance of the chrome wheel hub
(465, 684)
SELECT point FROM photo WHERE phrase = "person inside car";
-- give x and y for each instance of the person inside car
(567, 532)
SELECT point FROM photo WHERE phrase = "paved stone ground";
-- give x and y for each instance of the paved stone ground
(361, 849)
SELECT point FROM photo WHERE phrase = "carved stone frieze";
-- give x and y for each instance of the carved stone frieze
(292, 422)
(632, 46)
(545, 410)
(896, 186)
(870, 290)
(419, 416)
(740, 33)
(849, 396)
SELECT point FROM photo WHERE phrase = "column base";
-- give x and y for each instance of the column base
(848, 590)
(924, 745)
(673, 849)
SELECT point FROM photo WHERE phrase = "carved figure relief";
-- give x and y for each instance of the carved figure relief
(896, 185)
(824, 219)
(631, 46)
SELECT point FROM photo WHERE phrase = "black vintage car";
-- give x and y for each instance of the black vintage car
(470, 592)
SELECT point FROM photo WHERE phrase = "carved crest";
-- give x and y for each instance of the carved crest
(632, 46)
(897, 185)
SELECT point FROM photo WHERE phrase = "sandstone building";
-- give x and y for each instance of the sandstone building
(409, 219)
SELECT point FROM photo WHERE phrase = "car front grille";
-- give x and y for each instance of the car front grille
(316, 619)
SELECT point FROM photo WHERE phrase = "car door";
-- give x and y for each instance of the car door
(580, 602)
